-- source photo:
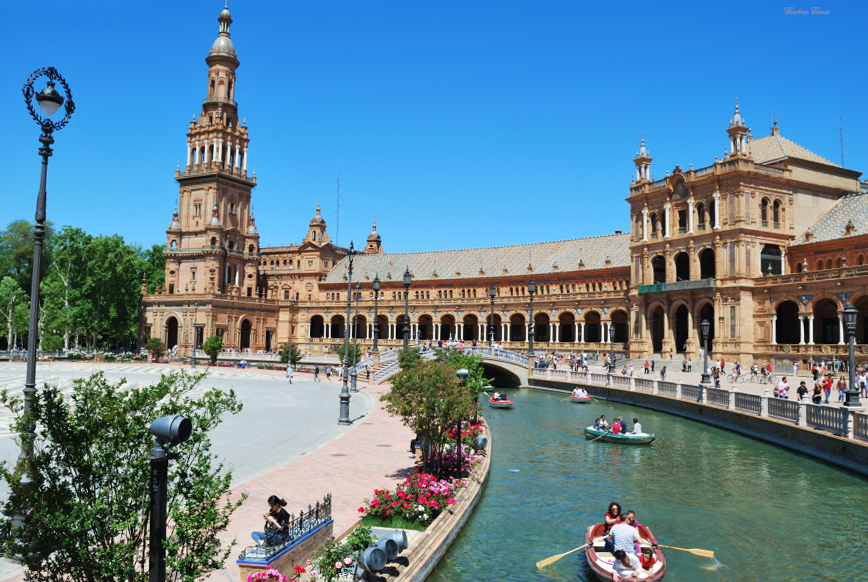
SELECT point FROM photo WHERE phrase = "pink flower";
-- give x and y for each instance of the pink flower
(348, 561)
(450, 501)
(338, 565)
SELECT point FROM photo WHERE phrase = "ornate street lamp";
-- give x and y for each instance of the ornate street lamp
(355, 373)
(345, 393)
(852, 394)
(407, 281)
(531, 290)
(492, 293)
(706, 327)
(611, 350)
(462, 376)
(291, 308)
(376, 287)
(195, 333)
(49, 101)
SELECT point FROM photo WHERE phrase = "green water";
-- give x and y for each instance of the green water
(767, 513)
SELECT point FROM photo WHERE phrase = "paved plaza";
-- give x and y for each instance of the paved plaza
(298, 453)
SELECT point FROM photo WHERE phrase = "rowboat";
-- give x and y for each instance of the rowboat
(624, 438)
(580, 399)
(601, 561)
(500, 403)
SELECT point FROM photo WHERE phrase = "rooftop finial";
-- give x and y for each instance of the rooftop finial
(736, 104)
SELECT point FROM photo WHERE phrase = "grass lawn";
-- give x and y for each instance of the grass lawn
(393, 522)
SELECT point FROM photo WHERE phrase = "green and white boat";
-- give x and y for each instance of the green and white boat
(592, 433)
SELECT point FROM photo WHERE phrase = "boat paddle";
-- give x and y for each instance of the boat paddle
(695, 552)
(548, 561)
(601, 436)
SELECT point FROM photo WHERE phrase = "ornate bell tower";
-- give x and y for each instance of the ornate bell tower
(212, 244)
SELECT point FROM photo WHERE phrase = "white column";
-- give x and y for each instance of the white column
(810, 330)
(237, 150)
(188, 153)
(219, 157)
(801, 330)
(207, 153)
(244, 162)
(526, 333)
(582, 338)
(196, 154)
(690, 216)
(717, 211)
(841, 341)
(774, 330)
(645, 225)
(666, 209)
(576, 334)
(557, 332)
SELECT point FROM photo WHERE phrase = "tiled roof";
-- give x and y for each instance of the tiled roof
(548, 257)
(775, 147)
(852, 207)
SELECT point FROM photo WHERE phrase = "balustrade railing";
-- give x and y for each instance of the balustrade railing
(717, 397)
(621, 381)
(667, 388)
(750, 403)
(784, 409)
(860, 426)
(689, 392)
(825, 418)
(644, 385)
(383, 373)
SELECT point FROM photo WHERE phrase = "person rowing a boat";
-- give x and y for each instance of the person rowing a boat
(601, 424)
(624, 535)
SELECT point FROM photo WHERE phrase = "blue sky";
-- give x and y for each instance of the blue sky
(456, 124)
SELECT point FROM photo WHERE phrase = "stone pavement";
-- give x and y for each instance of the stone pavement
(312, 457)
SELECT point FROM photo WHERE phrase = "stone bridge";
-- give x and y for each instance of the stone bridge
(507, 368)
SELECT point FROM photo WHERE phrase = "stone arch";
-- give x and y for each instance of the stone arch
(680, 318)
(620, 320)
(541, 331)
(681, 263)
(827, 327)
(337, 326)
(707, 266)
(496, 324)
(787, 322)
(656, 327)
(771, 260)
(425, 325)
(172, 324)
(517, 327)
(246, 335)
(593, 321)
(317, 327)
(382, 329)
(658, 268)
(470, 327)
(861, 304)
(360, 327)
(839, 305)
(447, 326)
(704, 309)
(566, 326)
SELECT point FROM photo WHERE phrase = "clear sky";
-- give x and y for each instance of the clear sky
(456, 123)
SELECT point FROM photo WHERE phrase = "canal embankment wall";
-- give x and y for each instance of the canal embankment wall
(790, 430)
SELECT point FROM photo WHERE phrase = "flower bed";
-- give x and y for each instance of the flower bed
(414, 504)
(469, 432)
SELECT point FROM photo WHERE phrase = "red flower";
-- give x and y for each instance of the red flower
(361, 510)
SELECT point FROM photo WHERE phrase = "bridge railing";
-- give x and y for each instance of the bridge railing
(839, 421)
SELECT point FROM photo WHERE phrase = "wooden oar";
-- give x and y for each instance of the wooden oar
(548, 561)
(695, 552)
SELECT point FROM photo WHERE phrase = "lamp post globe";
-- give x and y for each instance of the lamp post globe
(344, 418)
(531, 290)
(408, 279)
(492, 293)
(851, 314)
(706, 328)
(49, 101)
(376, 287)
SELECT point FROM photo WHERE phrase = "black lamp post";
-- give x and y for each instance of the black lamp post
(851, 398)
(492, 293)
(291, 308)
(376, 288)
(706, 327)
(49, 101)
(355, 373)
(462, 376)
(531, 290)
(345, 392)
(407, 281)
(195, 333)
(611, 350)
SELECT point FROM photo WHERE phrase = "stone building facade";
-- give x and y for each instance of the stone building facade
(768, 243)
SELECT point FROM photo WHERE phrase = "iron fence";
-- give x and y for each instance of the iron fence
(276, 540)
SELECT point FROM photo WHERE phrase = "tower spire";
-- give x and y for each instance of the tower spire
(642, 161)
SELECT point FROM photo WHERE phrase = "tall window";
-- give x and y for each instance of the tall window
(653, 218)
(764, 211)
(682, 221)
(700, 216)
(776, 214)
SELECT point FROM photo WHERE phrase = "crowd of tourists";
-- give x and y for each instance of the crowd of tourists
(618, 425)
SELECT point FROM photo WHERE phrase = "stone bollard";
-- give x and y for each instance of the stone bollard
(847, 422)
(677, 390)
(731, 405)
(803, 413)
(632, 384)
(703, 394)
(764, 404)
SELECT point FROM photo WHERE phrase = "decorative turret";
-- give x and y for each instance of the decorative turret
(317, 232)
(251, 229)
(737, 131)
(643, 162)
(374, 246)
(176, 220)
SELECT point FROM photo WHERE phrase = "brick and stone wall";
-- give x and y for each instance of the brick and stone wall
(301, 550)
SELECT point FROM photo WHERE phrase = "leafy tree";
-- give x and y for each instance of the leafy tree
(153, 266)
(457, 359)
(285, 355)
(409, 358)
(354, 349)
(14, 309)
(52, 343)
(89, 493)
(156, 346)
(16, 246)
(430, 400)
(213, 346)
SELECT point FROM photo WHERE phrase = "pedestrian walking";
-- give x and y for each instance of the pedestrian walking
(328, 374)
(842, 389)
(663, 373)
(289, 373)
(316, 373)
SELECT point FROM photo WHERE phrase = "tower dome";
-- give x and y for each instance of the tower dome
(223, 45)
(374, 236)
(317, 220)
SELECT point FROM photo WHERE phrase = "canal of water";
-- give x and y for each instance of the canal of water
(768, 514)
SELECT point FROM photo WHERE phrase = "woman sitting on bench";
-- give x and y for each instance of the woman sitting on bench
(275, 520)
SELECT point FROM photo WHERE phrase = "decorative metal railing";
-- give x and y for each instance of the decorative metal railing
(667, 389)
(784, 409)
(750, 403)
(860, 426)
(717, 397)
(384, 373)
(689, 392)
(276, 540)
(826, 418)
(645, 385)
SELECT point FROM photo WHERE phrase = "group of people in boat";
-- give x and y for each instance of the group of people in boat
(499, 396)
(618, 426)
(622, 540)
(580, 393)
